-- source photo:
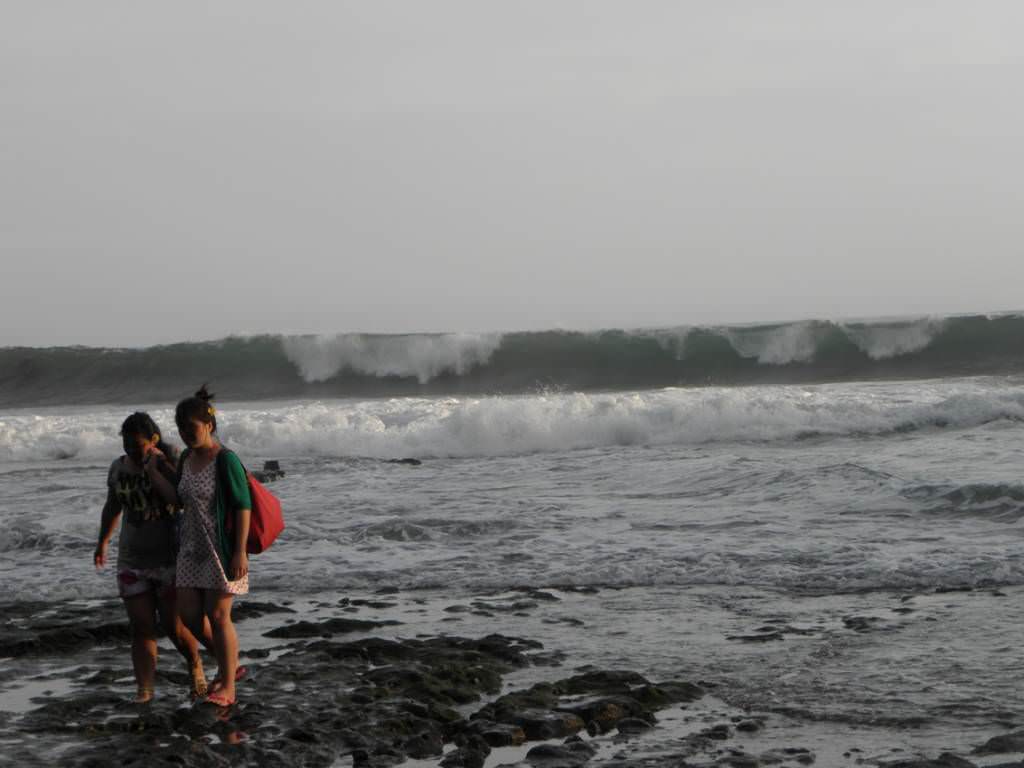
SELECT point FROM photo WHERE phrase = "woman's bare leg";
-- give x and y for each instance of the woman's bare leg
(141, 611)
(189, 603)
(217, 606)
(183, 640)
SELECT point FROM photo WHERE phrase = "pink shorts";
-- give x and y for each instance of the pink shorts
(138, 581)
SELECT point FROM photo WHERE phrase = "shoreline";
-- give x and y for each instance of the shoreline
(310, 657)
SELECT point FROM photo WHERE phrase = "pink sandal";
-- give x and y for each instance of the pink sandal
(218, 700)
(240, 674)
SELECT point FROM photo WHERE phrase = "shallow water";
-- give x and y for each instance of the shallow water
(839, 518)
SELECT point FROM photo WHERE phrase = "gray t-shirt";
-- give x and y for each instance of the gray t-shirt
(147, 523)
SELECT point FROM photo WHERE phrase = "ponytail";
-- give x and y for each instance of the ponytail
(198, 407)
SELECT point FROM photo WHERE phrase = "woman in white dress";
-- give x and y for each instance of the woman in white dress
(212, 564)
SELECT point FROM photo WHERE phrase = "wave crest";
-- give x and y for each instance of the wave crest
(420, 356)
(552, 422)
(368, 365)
(791, 343)
(881, 341)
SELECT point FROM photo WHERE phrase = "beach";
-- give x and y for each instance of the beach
(642, 384)
(773, 574)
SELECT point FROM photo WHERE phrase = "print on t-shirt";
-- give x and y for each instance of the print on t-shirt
(138, 502)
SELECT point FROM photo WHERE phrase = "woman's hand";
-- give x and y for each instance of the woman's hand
(239, 566)
(99, 557)
(153, 459)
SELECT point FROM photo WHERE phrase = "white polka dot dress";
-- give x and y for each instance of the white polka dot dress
(199, 566)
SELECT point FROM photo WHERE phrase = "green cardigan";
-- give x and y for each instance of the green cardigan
(232, 494)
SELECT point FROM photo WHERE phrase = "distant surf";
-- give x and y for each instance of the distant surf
(361, 365)
(503, 425)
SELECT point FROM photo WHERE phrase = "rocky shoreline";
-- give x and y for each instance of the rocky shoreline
(333, 690)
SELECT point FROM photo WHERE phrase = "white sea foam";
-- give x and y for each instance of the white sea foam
(672, 340)
(424, 356)
(790, 343)
(884, 340)
(799, 342)
(497, 426)
(47, 435)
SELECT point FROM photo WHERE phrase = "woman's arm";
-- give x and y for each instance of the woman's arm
(160, 470)
(240, 505)
(240, 560)
(108, 521)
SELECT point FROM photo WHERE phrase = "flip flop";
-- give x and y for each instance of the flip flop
(240, 674)
(218, 700)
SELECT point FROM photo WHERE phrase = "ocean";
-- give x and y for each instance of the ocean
(821, 520)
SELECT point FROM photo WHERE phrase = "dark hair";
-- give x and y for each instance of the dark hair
(141, 424)
(196, 407)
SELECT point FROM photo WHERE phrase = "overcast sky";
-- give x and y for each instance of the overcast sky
(187, 170)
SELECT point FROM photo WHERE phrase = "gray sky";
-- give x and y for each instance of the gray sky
(187, 170)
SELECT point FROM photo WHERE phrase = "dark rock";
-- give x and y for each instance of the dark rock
(719, 732)
(253, 609)
(538, 594)
(601, 681)
(570, 755)
(1007, 742)
(764, 637)
(301, 734)
(740, 760)
(749, 726)
(603, 712)
(663, 694)
(375, 701)
(540, 724)
(498, 734)
(372, 701)
(426, 743)
(633, 725)
(550, 710)
(271, 471)
(60, 639)
(945, 760)
(463, 758)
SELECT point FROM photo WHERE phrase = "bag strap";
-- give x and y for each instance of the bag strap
(222, 458)
(181, 461)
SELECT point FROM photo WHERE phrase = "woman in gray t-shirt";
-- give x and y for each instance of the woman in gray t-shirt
(146, 551)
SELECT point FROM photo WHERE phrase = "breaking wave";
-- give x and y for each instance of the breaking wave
(550, 422)
(368, 365)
